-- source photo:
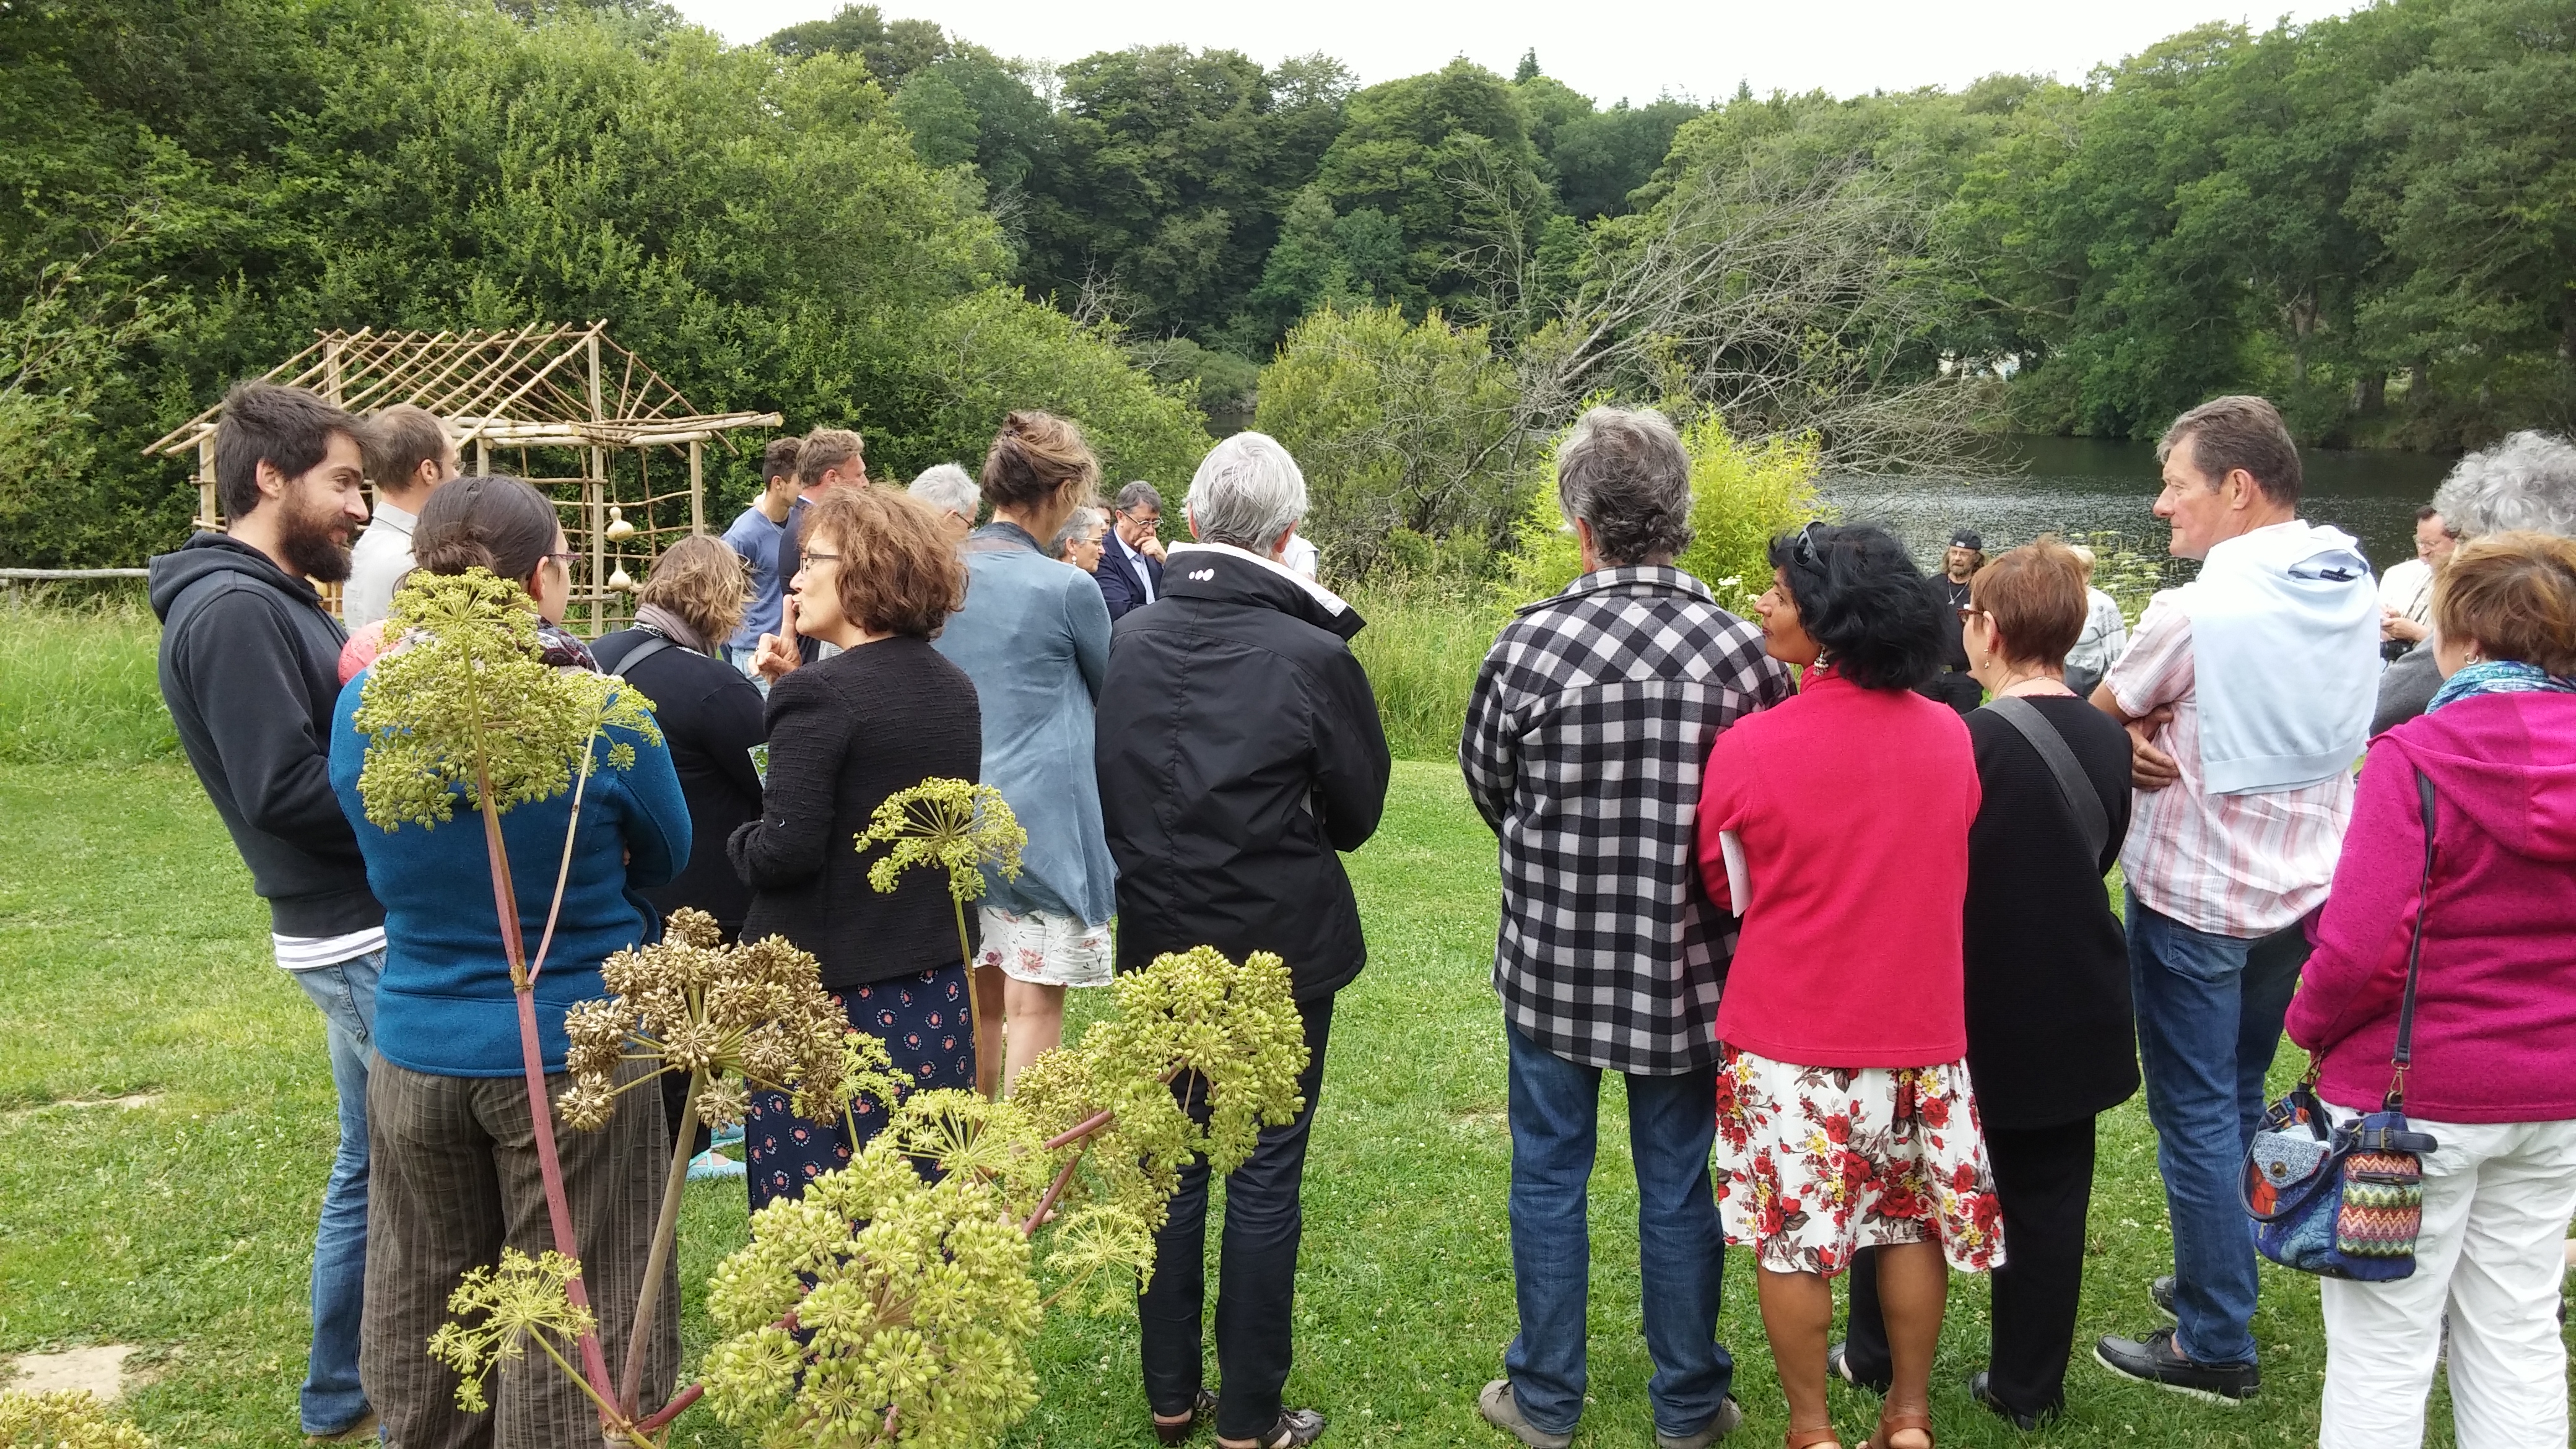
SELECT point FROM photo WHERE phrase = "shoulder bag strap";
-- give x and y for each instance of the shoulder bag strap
(2405, 1052)
(653, 644)
(2090, 819)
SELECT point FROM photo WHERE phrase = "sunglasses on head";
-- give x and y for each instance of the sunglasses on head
(1806, 550)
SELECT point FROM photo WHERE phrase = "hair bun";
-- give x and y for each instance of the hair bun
(449, 551)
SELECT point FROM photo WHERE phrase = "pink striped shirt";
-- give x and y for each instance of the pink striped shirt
(2232, 865)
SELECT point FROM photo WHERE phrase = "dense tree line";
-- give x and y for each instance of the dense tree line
(871, 220)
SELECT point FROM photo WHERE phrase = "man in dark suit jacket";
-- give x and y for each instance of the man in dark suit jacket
(1131, 553)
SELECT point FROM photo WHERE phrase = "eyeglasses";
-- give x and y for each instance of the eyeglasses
(564, 558)
(816, 555)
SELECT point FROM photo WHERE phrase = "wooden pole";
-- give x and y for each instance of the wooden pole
(482, 458)
(206, 483)
(697, 489)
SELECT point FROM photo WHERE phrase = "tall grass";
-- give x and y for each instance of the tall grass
(1421, 648)
(79, 681)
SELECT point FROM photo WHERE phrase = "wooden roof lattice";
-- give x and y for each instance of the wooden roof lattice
(543, 385)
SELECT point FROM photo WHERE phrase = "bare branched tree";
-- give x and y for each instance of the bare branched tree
(1793, 298)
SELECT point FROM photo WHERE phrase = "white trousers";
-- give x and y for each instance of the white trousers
(2497, 1197)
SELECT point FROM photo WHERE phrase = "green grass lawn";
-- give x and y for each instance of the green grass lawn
(136, 963)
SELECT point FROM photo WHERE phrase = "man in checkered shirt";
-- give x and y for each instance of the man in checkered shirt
(1585, 737)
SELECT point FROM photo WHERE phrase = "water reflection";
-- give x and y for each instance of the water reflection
(2087, 485)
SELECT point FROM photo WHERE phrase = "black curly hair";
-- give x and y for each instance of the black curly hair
(1860, 596)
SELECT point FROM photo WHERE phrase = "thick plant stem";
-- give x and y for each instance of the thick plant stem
(983, 1011)
(665, 1229)
(532, 1057)
(671, 1410)
(1081, 1129)
(1055, 1190)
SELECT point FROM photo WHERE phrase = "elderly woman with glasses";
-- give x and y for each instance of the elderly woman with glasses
(1836, 825)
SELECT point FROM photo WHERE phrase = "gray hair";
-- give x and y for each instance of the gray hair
(1247, 492)
(1627, 474)
(1074, 524)
(948, 487)
(1137, 494)
(2526, 481)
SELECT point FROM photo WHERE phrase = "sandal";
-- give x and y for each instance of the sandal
(1295, 1429)
(1896, 1421)
(1203, 1408)
(1806, 1438)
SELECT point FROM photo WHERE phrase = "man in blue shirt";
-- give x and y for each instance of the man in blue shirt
(761, 536)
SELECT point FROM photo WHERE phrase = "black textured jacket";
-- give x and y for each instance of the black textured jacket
(712, 716)
(250, 667)
(843, 735)
(1239, 749)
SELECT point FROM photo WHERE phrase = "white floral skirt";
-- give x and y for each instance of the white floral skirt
(1816, 1163)
(1045, 949)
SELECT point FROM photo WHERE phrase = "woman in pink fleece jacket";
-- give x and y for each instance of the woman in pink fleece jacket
(2494, 1071)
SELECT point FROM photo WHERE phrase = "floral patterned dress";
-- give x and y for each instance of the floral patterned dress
(1819, 1162)
(923, 1021)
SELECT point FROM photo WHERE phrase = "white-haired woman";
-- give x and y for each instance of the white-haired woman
(2528, 481)
(1078, 542)
(952, 492)
(1239, 750)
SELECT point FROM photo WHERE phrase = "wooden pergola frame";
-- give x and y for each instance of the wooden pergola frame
(545, 385)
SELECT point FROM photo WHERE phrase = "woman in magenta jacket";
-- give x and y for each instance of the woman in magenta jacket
(1836, 825)
(2493, 1077)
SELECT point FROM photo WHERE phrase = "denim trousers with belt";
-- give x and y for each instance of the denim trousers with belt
(331, 1400)
(2209, 1019)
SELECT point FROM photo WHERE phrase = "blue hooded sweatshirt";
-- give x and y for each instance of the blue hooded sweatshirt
(444, 1005)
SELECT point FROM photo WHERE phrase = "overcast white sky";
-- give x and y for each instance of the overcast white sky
(1635, 48)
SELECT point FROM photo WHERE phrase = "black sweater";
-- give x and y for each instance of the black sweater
(2050, 1037)
(711, 715)
(250, 665)
(843, 735)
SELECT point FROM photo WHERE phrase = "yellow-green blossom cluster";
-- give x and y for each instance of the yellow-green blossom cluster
(500, 1311)
(63, 1419)
(916, 1324)
(744, 1015)
(467, 703)
(921, 1298)
(951, 824)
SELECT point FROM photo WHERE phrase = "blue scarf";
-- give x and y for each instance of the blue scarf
(2499, 676)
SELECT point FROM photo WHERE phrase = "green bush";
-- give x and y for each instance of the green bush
(80, 683)
(1421, 648)
(1742, 496)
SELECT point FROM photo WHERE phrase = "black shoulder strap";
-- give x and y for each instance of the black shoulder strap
(2090, 819)
(653, 644)
(2405, 1052)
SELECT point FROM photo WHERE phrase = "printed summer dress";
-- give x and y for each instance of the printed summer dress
(1818, 1162)
(923, 1022)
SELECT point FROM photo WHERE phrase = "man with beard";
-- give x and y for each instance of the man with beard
(250, 669)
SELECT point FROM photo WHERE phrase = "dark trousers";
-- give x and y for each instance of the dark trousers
(456, 1181)
(2044, 1183)
(1256, 1273)
(1960, 690)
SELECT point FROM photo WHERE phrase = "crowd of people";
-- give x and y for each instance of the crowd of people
(1825, 887)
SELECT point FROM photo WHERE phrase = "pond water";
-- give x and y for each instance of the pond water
(2076, 486)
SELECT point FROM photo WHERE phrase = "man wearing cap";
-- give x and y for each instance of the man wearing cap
(1955, 686)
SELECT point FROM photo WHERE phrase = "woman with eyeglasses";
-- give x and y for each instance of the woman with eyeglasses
(453, 1163)
(2051, 1040)
(878, 579)
(1836, 825)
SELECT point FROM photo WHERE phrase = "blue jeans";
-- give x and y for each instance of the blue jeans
(1555, 1115)
(2209, 1018)
(332, 1399)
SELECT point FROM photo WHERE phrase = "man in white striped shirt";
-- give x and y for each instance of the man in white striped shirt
(2230, 848)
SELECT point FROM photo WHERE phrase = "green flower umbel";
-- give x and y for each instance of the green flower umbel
(946, 823)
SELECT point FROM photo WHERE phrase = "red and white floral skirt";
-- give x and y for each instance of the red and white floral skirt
(1815, 1163)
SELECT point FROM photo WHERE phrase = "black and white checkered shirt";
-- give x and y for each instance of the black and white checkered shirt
(1592, 718)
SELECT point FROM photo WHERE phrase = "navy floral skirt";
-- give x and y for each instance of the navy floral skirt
(923, 1022)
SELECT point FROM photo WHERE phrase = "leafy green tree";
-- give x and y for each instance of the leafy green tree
(1420, 151)
(1410, 426)
(891, 51)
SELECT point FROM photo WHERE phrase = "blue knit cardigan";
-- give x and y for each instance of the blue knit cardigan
(444, 1005)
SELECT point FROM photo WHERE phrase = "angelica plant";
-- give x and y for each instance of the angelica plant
(884, 1307)
(466, 709)
(961, 828)
(63, 1419)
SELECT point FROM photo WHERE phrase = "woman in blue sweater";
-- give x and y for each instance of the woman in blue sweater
(454, 1150)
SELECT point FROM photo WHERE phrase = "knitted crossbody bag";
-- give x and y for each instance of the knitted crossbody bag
(2347, 1202)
